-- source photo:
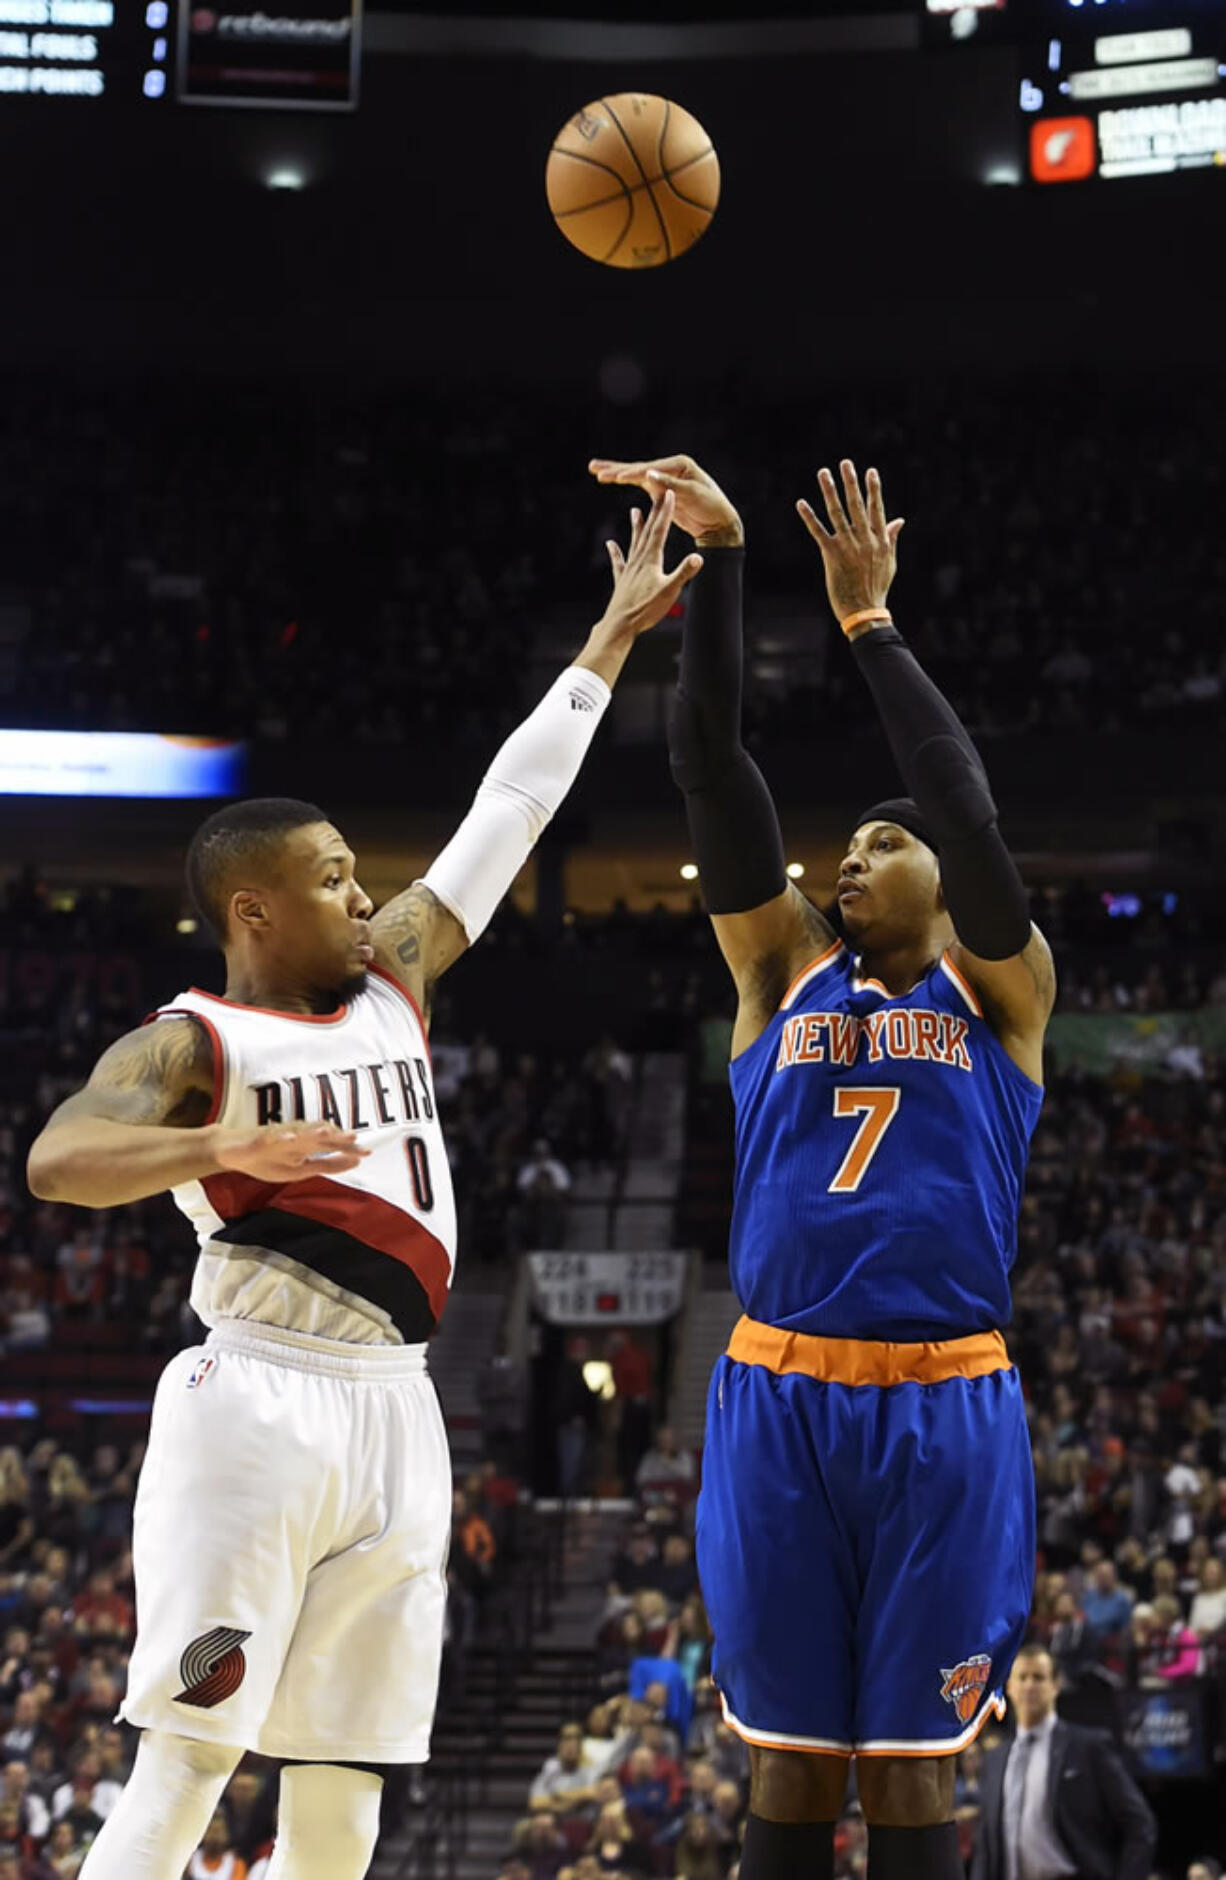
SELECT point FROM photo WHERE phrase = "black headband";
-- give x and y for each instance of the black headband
(904, 811)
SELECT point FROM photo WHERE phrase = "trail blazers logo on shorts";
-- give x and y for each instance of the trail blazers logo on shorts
(966, 1683)
(212, 1667)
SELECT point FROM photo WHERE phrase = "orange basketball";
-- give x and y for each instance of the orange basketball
(632, 180)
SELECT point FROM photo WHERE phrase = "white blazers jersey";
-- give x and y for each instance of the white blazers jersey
(365, 1256)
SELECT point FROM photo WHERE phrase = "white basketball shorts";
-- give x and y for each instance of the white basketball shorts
(290, 1545)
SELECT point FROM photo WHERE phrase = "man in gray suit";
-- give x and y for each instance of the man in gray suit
(1057, 1803)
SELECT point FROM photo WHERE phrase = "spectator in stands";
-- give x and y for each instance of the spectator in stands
(1206, 1868)
(33, 1817)
(44, 1771)
(1208, 1614)
(677, 1577)
(1179, 1647)
(1071, 1642)
(564, 1782)
(689, 1641)
(711, 1737)
(1106, 1605)
(727, 1814)
(616, 1656)
(609, 1072)
(85, 1787)
(1184, 1484)
(699, 1855)
(543, 1184)
(607, 1739)
(700, 1779)
(473, 1533)
(100, 1597)
(541, 1846)
(65, 1850)
(215, 1858)
(77, 1808)
(576, 1416)
(666, 1471)
(661, 1684)
(251, 1812)
(637, 1565)
(502, 1393)
(25, 1727)
(647, 1791)
(16, 1524)
(617, 1844)
(851, 1845)
(1164, 1577)
(632, 1379)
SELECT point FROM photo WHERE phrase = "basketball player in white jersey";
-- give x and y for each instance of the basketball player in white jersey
(294, 1508)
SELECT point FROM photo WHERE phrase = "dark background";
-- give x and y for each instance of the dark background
(856, 231)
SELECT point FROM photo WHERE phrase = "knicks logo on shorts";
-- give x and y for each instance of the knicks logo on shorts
(965, 1685)
(212, 1667)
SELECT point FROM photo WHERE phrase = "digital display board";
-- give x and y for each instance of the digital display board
(1019, 22)
(118, 763)
(84, 50)
(288, 54)
(300, 54)
(1124, 92)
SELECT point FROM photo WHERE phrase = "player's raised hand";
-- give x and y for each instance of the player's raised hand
(290, 1152)
(859, 547)
(703, 510)
(642, 591)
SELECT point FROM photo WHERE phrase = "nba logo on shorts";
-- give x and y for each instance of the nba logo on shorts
(203, 1368)
(965, 1684)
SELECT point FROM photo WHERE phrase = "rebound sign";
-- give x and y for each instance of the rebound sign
(300, 55)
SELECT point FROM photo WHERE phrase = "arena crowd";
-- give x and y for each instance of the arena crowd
(192, 563)
(1120, 1330)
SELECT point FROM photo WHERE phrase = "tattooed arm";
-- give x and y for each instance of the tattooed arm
(417, 938)
(423, 931)
(139, 1127)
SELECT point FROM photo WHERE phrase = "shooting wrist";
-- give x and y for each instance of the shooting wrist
(727, 535)
(606, 649)
(865, 620)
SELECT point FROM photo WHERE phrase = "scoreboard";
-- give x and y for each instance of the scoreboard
(1122, 92)
(1108, 89)
(83, 49)
(288, 54)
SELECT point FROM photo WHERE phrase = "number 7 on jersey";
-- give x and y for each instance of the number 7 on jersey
(878, 1107)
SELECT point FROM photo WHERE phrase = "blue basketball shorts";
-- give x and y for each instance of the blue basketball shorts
(866, 1539)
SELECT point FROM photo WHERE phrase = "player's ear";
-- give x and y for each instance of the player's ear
(248, 909)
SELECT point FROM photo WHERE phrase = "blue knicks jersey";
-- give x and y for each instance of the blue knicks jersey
(880, 1154)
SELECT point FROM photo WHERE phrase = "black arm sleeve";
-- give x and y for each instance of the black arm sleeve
(733, 825)
(941, 768)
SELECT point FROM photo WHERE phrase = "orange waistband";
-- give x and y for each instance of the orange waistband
(865, 1360)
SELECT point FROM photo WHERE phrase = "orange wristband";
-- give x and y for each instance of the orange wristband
(866, 613)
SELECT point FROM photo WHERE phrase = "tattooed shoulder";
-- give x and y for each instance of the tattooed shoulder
(162, 1073)
(416, 936)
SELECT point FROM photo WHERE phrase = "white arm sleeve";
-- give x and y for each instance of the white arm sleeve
(519, 793)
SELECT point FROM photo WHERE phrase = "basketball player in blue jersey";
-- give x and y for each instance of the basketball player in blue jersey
(866, 1522)
(294, 1509)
